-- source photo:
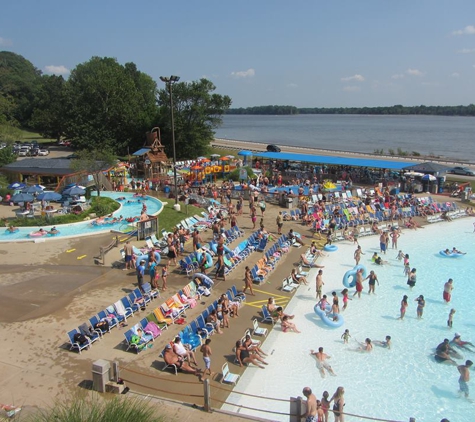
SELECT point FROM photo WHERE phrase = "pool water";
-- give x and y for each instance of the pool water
(131, 207)
(393, 384)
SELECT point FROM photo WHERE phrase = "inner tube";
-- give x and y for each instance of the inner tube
(12, 231)
(352, 273)
(330, 248)
(327, 318)
(38, 234)
(205, 280)
(209, 259)
(451, 255)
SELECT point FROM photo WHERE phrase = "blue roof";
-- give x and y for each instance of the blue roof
(141, 151)
(328, 159)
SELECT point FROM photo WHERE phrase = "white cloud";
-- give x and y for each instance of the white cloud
(414, 72)
(398, 76)
(358, 78)
(351, 88)
(455, 75)
(249, 73)
(292, 85)
(468, 30)
(57, 70)
(466, 51)
(5, 42)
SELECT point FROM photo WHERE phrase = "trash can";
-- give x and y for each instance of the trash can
(434, 188)
(100, 375)
(290, 203)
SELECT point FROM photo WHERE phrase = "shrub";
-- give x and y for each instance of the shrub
(234, 175)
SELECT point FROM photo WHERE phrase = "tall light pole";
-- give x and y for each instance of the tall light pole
(170, 81)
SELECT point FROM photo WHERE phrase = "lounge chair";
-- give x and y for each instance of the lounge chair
(266, 316)
(229, 377)
(258, 331)
(94, 321)
(75, 344)
(287, 286)
(136, 342)
(167, 365)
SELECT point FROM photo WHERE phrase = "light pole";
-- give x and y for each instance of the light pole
(170, 81)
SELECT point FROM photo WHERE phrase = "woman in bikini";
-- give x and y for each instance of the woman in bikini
(338, 404)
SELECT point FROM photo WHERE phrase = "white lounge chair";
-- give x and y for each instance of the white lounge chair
(258, 331)
(229, 377)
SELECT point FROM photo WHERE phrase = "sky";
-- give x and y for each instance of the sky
(305, 53)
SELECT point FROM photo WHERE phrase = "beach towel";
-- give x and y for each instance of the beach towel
(153, 328)
(119, 307)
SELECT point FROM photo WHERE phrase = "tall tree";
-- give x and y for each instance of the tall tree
(18, 82)
(197, 112)
(49, 115)
(110, 105)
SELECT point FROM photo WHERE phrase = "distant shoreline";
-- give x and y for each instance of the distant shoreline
(261, 147)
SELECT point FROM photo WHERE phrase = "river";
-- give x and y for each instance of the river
(442, 136)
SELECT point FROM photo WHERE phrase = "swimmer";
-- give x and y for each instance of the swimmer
(450, 318)
(454, 250)
(386, 343)
(12, 229)
(442, 353)
(367, 346)
(54, 230)
(403, 307)
(400, 255)
(464, 371)
(346, 336)
(421, 303)
(457, 341)
(321, 362)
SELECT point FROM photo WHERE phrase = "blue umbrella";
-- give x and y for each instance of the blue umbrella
(74, 190)
(34, 189)
(22, 197)
(245, 153)
(16, 185)
(49, 196)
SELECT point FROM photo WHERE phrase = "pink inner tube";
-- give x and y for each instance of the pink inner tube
(38, 234)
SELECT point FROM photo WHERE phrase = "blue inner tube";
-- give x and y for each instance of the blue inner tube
(330, 248)
(352, 274)
(327, 318)
(11, 232)
(451, 255)
(207, 282)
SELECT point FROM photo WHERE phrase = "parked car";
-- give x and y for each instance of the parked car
(273, 148)
(24, 151)
(43, 152)
(463, 170)
(34, 150)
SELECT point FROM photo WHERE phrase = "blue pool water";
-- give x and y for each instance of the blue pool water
(128, 209)
(392, 384)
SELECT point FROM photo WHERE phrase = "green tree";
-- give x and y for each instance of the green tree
(110, 106)
(197, 112)
(49, 116)
(93, 162)
(18, 82)
(6, 156)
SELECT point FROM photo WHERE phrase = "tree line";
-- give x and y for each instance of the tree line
(105, 105)
(460, 110)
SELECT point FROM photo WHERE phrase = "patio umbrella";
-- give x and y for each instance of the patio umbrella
(74, 190)
(16, 185)
(49, 196)
(205, 160)
(245, 153)
(429, 177)
(413, 174)
(197, 168)
(201, 158)
(22, 197)
(215, 155)
(231, 157)
(74, 184)
(225, 158)
(34, 189)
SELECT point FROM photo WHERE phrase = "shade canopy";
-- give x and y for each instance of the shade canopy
(230, 157)
(428, 167)
(215, 155)
(49, 196)
(429, 177)
(245, 153)
(16, 185)
(224, 158)
(413, 174)
(74, 190)
(22, 197)
(34, 189)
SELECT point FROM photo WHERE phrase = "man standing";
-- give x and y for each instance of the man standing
(311, 413)
(320, 284)
(464, 371)
(448, 287)
(206, 350)
(140, 273)
(129, 251)
(280, 222)
(321, 362)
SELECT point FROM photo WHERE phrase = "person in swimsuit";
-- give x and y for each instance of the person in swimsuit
(325, 405)
(338, 404)
(386, 343)
(373, 278)
(450, 318)
(420, 306)
(244, 356)
(367, 346)
(171, 358)
(287, 325)
(464, 378)
(442, 353)
(206, 350)
(359, 283)
(164, 276)
(411, 280)
(357, 255)
(183, 351)
(403, 307)
(321, 362)
(319, 283)
(344, 293)
(311, 413)
(457, 341)
(448, 287)
(346, 336)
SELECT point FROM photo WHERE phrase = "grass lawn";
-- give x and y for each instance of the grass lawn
(169, 218)
(28, 135)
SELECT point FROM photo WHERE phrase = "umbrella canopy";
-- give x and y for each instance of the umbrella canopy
(205, 160)
(34, 189)
(49, 196)
(245, 153)
(22, 197)
(428, 167)
(429, 177)
(215, 155)
(197, 168)
(413, 174)
(16, 185)
(231, 157)
(74, 184)
(224, 158)
(74, 190)
(201, 158)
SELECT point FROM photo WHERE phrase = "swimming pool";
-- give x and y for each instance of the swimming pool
(394, 384)
(128, 209)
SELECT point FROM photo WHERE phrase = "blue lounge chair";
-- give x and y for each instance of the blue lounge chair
(266, 316)
(75, 344)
